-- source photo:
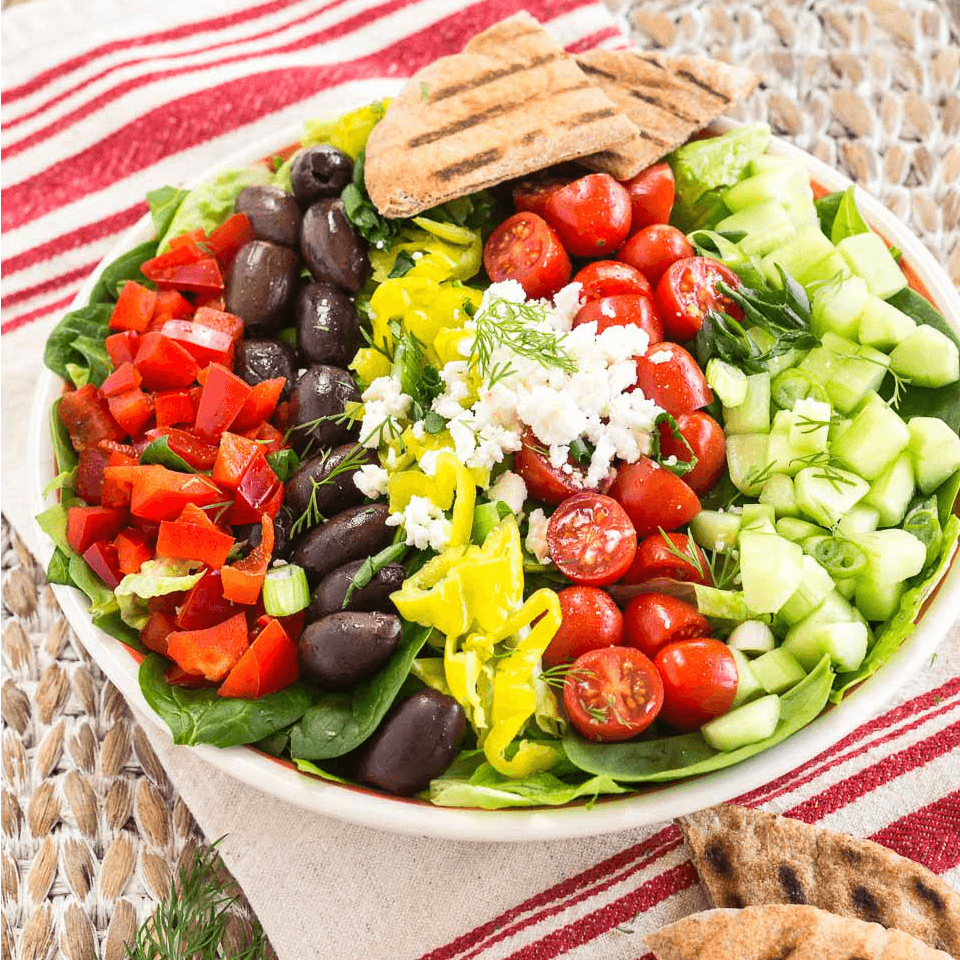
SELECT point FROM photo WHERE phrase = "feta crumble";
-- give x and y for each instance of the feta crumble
(371, 481)
(536, 542)
(510, 488)
(383, 402)
(424, 523)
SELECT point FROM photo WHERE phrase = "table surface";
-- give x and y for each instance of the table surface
(92, 829)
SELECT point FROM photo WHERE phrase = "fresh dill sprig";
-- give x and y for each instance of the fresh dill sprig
(312, 516)
(811, 425)
(689, 554)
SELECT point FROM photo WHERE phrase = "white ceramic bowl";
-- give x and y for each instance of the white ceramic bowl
(650, 805)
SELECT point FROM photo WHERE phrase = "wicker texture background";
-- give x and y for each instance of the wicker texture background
(91, 827)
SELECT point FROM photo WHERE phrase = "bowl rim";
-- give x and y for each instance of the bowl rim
(656, 803)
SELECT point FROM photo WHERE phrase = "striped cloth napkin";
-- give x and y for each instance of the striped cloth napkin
(92, 119)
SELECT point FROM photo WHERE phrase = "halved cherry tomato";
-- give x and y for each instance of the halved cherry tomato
(669, 376)
(622, 310)
(653, 497)
(607, 278)
(612, 694)
(591, 215)
(590, 620)
(134, 308)
(688, 291)
(706, 439)
(652, 620)
(530, 195)
(651, 195)
(524, 248)
(668, 558)
(87, 418)
(591, 539)
(545, 482)
(652, 249)
(211, 652)
(699, 681)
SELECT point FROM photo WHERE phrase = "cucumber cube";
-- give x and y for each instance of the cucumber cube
(892, 556)
(825, 494)
(859, 519)
(883, 326)
(747, 461)
(744, 725)
(721, 604)
(833, 609)
(847, 370)
(868, 257)
(753, 415)
(769, 161)
(815, 585)
(927, 358)
(778, 493)
(757, 517)
(770, 567)
(766, 225)
(728, 382)
(797, 530)
(878, 600)
(714, 530)
(748, 687)
(810, 425)
(837, 307)
(783, 458)
(777, 671)
(753, 637)
(764, 340)
(770, 185)
(875, 438)
(935, 451)
(847, 588)
(844, 643)
(830, 268)
(807, 247)
(892, 491)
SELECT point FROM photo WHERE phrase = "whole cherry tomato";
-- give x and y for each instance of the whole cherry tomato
(591, 620)
(688, 291)
(544, 481)
(591, 215)
(525, 249)
(651, 195)
(668, 375)
(673, 556)
(706, 439)
(531, 193)
(652, 249)
(607, 278)
(591, 539)
(620, 311)
(652, 620)
(612, 694)
(653, 497)
(699, 681)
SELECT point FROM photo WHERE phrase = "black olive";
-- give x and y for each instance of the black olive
(317, 401)
(282, 541)
(262, 286)
(331, 249)
(328, 329)
(344, 648)
(319, 172)
(352, 535)
(331, 496)
(329, 596)
(259, 360)
(273, 213)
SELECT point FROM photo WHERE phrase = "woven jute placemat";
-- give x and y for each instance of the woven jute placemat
(92, 829)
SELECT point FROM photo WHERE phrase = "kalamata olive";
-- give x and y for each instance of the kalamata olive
(417, 741)
(319, 172)
(344, 648)
(351, 535)
(331, 249)
(318, 398)
(262, 286)
(259, 360)
(328, 329)
(282, 541)
(273, 213)
(332, 495)
(329, 596)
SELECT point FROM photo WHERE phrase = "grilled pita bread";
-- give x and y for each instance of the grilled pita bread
(667, 98)
(747, 857)
(777, 932)
(512, 103)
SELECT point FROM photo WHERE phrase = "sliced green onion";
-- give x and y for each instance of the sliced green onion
(923, 521)
(793, 385)
(840, 558)
(285, 590)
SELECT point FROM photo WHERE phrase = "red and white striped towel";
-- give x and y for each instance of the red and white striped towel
(104, 100)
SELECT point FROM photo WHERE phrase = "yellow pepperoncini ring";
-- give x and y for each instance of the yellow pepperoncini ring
(434, 257)
(368, 364)
(348, 133)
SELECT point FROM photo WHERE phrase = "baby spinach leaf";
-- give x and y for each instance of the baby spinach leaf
(58, 569)
(158, 451)
(283, 463)
(125, 267)
(102, 600)
(341, 721)
(847, 221)
(827, 207)
(164, 203)
(112, 624)
(78, 337)
(201, 716)
(689, 754)
(63, 451)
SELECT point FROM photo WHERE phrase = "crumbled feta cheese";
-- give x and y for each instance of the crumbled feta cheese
(371, 480)
(383, 401)
(418, 431)
(536, 542)
(511, 489)
(428, 462)
(660, 356)
(566, 303)
(424, 523)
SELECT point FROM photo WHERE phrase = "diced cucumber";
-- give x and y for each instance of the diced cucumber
(825, 494)
(878, 600)
(744, 724)
(747, 461)
(883, 326)
(714, 530)
(772, 184)
(815, 585)
(876, 437)
(833, 609)
(868, 257)
(728, 382)
(777, 671)
(766, 226)
(752, 637)
(837, 307)
(753, 414)
(831, 267)
(861, 518)
(770, 566)
(934, 450)
(748, 687)
(782, 456)
(847, 370)
(764, 341)
(758, 517)
(796, 529)
(808, 246)
(892, 556)
(847, 588)
(769, 161)
(844, 643)
(778, 493)
(892, 491)
(837, 426)
(927, 358)
(789, 386)
(721, 604)
(810, 425)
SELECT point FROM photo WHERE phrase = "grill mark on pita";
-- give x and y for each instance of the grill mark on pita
(866, 906)
(482, 79)
(468, 165)
(788, 950)
(672, 109)
(598, 72)
(929, 894)
(590, 117)
(791, 884)
(696, 81)
(528, 138)
(718, 859)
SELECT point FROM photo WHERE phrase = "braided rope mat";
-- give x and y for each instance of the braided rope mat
(92, 830)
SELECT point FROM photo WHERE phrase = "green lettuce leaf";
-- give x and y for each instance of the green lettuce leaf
(847, 222)
(164, 203)
(156, 578)
(63, 450)
(102, 600)
(305, 766)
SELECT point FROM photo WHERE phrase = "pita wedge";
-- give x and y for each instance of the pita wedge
(667, 98)
(747, 857)
(510, 104)
(777, 932)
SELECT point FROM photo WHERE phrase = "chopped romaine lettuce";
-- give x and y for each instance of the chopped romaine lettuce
(156, 578)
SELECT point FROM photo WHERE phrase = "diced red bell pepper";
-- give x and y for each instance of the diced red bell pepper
(191, 542)
(87, 525)
(87, 418)
(260, 404)
(205, 604)
(133, 410)
(171, 304)
(178, 677)
(192, 240)
(228, 238)
(133, 550)
(161, 494)
(270, 664)
(155, 632)
(174, 406)
(292, 625)
(269, 438)
(164, 364)
(211, 300)
(228, 323)
(258, 483)
(203, 343)
(211, 652)
(122, 347)
(233, 457)
(200, 455)
(167, 603)
(90, 467)
(116, 493)
(242, 581)
(124, 378)
(102, 559)
(185, 265)
(223, 397)
(134, 308)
